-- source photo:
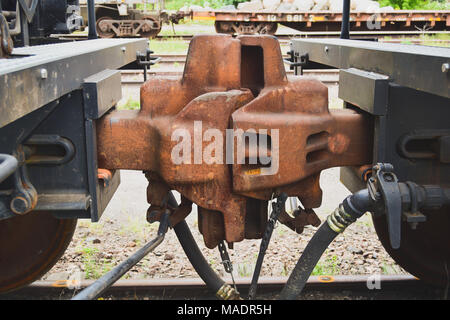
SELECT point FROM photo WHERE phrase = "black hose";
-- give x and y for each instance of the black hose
(345, 23)
(8, 165)
(195, 256)
(308, 260)
(352, 208)
(92, 30)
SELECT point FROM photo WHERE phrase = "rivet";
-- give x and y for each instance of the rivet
(44, 73)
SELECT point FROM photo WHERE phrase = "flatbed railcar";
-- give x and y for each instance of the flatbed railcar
(264, 22)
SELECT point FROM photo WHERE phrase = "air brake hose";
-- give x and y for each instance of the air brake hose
(352, 208)
(212, 280)
(196, 258)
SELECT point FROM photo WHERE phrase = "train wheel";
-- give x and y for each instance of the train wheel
(30, 245)
(268, 28)
(102, 28)
(224, 27)
(245, 27)
(424, 252)
(154, 32)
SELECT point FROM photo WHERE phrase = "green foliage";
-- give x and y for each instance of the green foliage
(129, 104)
(396, 4)
(215, 4)
(416, 4)
(327, 267)
(93, 266)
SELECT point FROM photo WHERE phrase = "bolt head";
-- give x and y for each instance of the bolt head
(445, 67)
(19, 205)
(44, 73)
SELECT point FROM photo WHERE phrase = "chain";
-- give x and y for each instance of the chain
(226, 261)
(277, 208)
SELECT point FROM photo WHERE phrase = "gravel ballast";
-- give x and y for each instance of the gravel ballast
(97, 247)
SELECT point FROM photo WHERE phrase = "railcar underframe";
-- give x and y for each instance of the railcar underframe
(59, 124)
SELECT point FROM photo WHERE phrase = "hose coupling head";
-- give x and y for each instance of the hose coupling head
(339, 220)
(227, 292)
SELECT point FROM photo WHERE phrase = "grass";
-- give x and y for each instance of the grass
(327, 267)
(245, 269)
(140, 229)
(168, 46)
(93, 267)
(177, 4)
(282, 230)
(390, 269)
(130, 104)
(426, 40)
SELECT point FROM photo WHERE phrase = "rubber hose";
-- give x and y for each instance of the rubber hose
(308, 260)
(195, 256)
(352, 208)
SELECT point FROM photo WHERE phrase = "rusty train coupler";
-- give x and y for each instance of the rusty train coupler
(232, 132)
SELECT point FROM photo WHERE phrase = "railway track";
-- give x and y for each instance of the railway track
(133, 79)
(359, 287)
(394, 36)
(173, 64)
(330, 34)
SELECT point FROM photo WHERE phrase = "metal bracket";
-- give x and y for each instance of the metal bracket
(146, 60)
(226, 261)
(29, 11)
(294, 63)
(385, 186)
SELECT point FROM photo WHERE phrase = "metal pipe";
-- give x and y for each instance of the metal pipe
(8, 165)
(17, 25)
(92, 21)
(345, 24)
(100, 286)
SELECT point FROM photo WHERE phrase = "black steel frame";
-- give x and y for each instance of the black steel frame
(55, 93)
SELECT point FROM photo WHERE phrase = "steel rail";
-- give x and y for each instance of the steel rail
(370, 286)
(324, 34)
(102, 284)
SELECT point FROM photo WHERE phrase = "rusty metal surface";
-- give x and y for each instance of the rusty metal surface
(327, 20)
(6, 44)
(108, 27)
(240, 84)
(232, 27)
(39, 241)
(353, 287)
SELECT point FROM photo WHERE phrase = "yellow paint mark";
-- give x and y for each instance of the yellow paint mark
(253, 172)
(203, 18)
(60, 284)
(64, 283)
(326, 279)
